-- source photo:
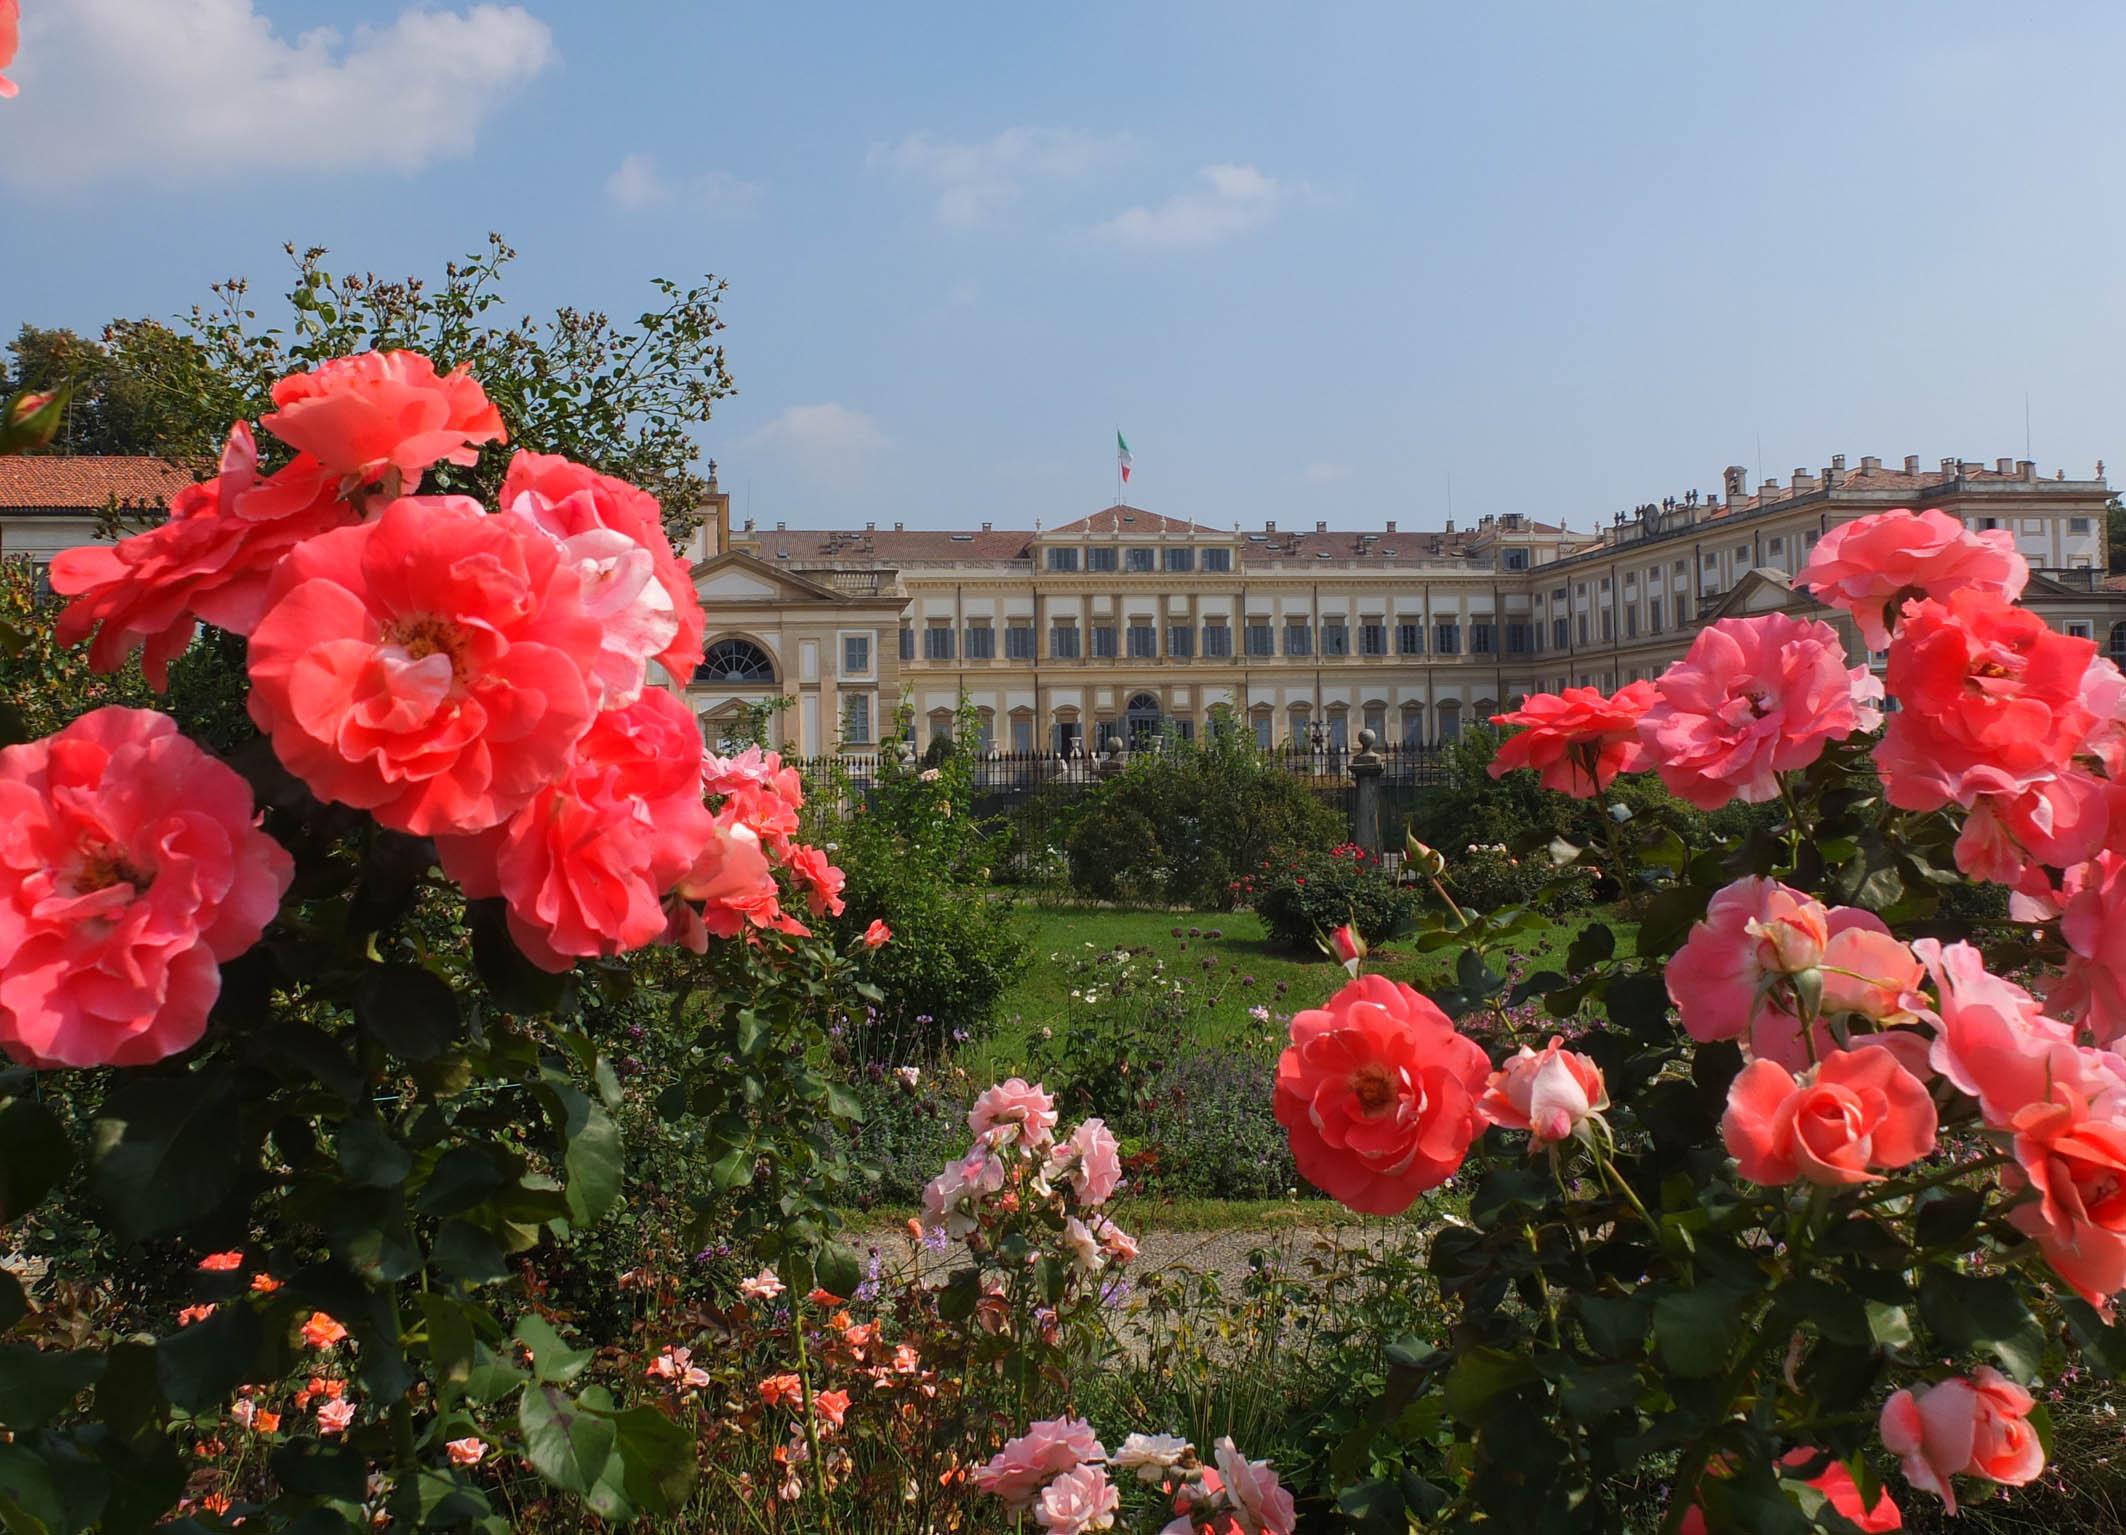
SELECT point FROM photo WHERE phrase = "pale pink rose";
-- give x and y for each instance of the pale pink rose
(1078, 1501)
(1857, 1111)
(1751, 698)
(469, 1451)
(1261, 1505)
(1991, 1040)
(1549, 1093)
(2092, 989)
(762, 1286)
(1047, 1449)
(10, 29)
(1118, 1244)
(1152, 1456)
(365, 415)
(1084, 1244)
(2104, 697)
(1863, 565)
(334, 1416)
(1093, 1161)
(1977, 1425)
(1734, 976)
(952, 1200)
(1014, 1111)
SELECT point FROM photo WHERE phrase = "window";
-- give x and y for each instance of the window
(1682, 567)
(856, 719)
(1177, 559)
(1335, 638)
(1410, 639)
(1063, 642)
(986, 723)
(2033, 525)
(1022, 733)
(1776, 547)
(1298, 639)
(1558, 639)
(1265, 728)
(1218, 640)
(735, 661)
(1143, 640)
(1218, 559)
(1180, 640)
(1262, 639)
(1070, 737)
(2077, 524)
(1712, 562)
(1682, 609)
(937, 643)
(1377, 722)
(1450, 722)
(1100, 557)
(1340, 731)
(2079, 628)
(1062, 559)
(907, 644)
(1482, 639)
(1631, 622)
(1373, 638)
(1018, 642)
(981, 642)
(1985, 524)
(856, 654)
(1138, 559)
(1520, 638)
(1447, 639)
(1653, 615)
(1608, 628)
(1103, 642)
(1582, 625)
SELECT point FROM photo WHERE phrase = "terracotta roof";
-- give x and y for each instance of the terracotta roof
(1877, 480)
(808, 547)
(53, 482)
(1132, 519)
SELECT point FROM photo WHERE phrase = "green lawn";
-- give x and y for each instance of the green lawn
(1247, 971)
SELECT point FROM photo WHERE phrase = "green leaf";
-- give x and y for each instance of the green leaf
(450, 1343)
(168, 1152)
(593, 1163)
(658, 1460)
(1483, 1381)
(1945, 1217)
(1589, 947)
(411, 1012)
(1891, 1326)
(959, 1296)
(369, 1155)
(566, 1442)
(34, 1154)
(317, 1469)
(1697, 1330)
(468, 1254)
(1616, 1325)
(839, 1272)
(199, 1366)
(38, 1384)
(463, 1177)
(14, 1305)
(552, 1360)
(1983, 1311)
(492, 1377)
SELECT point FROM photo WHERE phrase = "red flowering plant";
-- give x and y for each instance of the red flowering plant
(1829, 1182)
(324, 1013)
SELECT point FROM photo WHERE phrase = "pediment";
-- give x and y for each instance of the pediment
(736, 577)
(1761, 590)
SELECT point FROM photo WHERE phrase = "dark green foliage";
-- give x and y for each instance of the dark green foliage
(1209, 1132)
(1302, 894)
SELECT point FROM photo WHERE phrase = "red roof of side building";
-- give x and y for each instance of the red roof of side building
(46, 482)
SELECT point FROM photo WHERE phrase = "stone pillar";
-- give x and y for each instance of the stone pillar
(1367, 767)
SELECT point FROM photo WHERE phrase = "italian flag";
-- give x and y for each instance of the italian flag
(1122, 458)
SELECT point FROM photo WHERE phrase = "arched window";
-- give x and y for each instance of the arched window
(735, 661)
(1142, 720)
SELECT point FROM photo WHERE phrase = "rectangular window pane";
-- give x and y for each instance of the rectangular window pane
(1447, 639)
(1261, 640)
(1143, 642)
(1217, 640)
(1018, 642)
(1103, 642)
(1410, 639)
(1138, 559)
(907, 644)
(856, 654)
(1653, 615)
(1222, 559)
(1335, 639)
(1062, 559)
(1063, 642)
(1481, 642)
(981, 642)
(856, 720)
(1607, 627)
(1022, 734)
(1557, 634)
(1180, 640)
(1177, 559)
(937, 643)
(1100, 558)
(1372, 639)
(1298, 640)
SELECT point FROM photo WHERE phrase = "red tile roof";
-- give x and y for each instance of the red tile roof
(1132, 519)
(53, 482)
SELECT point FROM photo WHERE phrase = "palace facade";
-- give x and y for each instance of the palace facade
(1126, 623)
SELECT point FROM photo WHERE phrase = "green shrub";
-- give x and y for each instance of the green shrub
(1210, 1132)
(1490, 877)
(1181, 824)
(1300, 895)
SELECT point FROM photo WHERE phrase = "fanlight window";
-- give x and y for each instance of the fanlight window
(735, 661)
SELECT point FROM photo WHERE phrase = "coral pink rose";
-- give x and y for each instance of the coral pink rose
(428, 667)
(469, 1451)
(586, 865)
(1991, 1039)
(2092, 989)
(1549, 1093)
(877, 935)
(1047, 1449)
(1078, 1501)
(1864, 565)
(364, 416)
(1379, 1095)
(1752, 698)
(1836, 1483)
(1735, 976)
(1261, 1505)
(821, 881)
(1992, 702)
(131, 865)
(212, 560)
(2074, 1156)
(1092, 1159)
(1578, 739)
(10, 30)
(1856, 1111)
(1867, 972)
(1977, 1425)
(633, 583)
(730, 888)
(1013, 1112)
(2090, 1258)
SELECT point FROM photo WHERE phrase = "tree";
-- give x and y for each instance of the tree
(145, 388)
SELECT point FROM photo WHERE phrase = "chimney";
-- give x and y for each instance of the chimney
(2025, 469)
(986, 528)
(1321, 527)
(1869, 462)
(2004, 466)
(870, 527)
(1948, 466)
(1269, 527)
(749, 524)
(1734, 479)
(1450, 527)
(1834, 476)
(1837, 460)
(1391, 524)
(778, 527)
(1911, 463)
(900, 527)
(1767, 488)
(1804, 482)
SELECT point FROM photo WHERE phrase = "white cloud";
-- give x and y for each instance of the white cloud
(829, 431)
(204, 88)
(1327, 474)
(1232, 200)
(975, 182)
(636, 183)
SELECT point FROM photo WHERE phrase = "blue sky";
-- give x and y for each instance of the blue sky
(1315, 261)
